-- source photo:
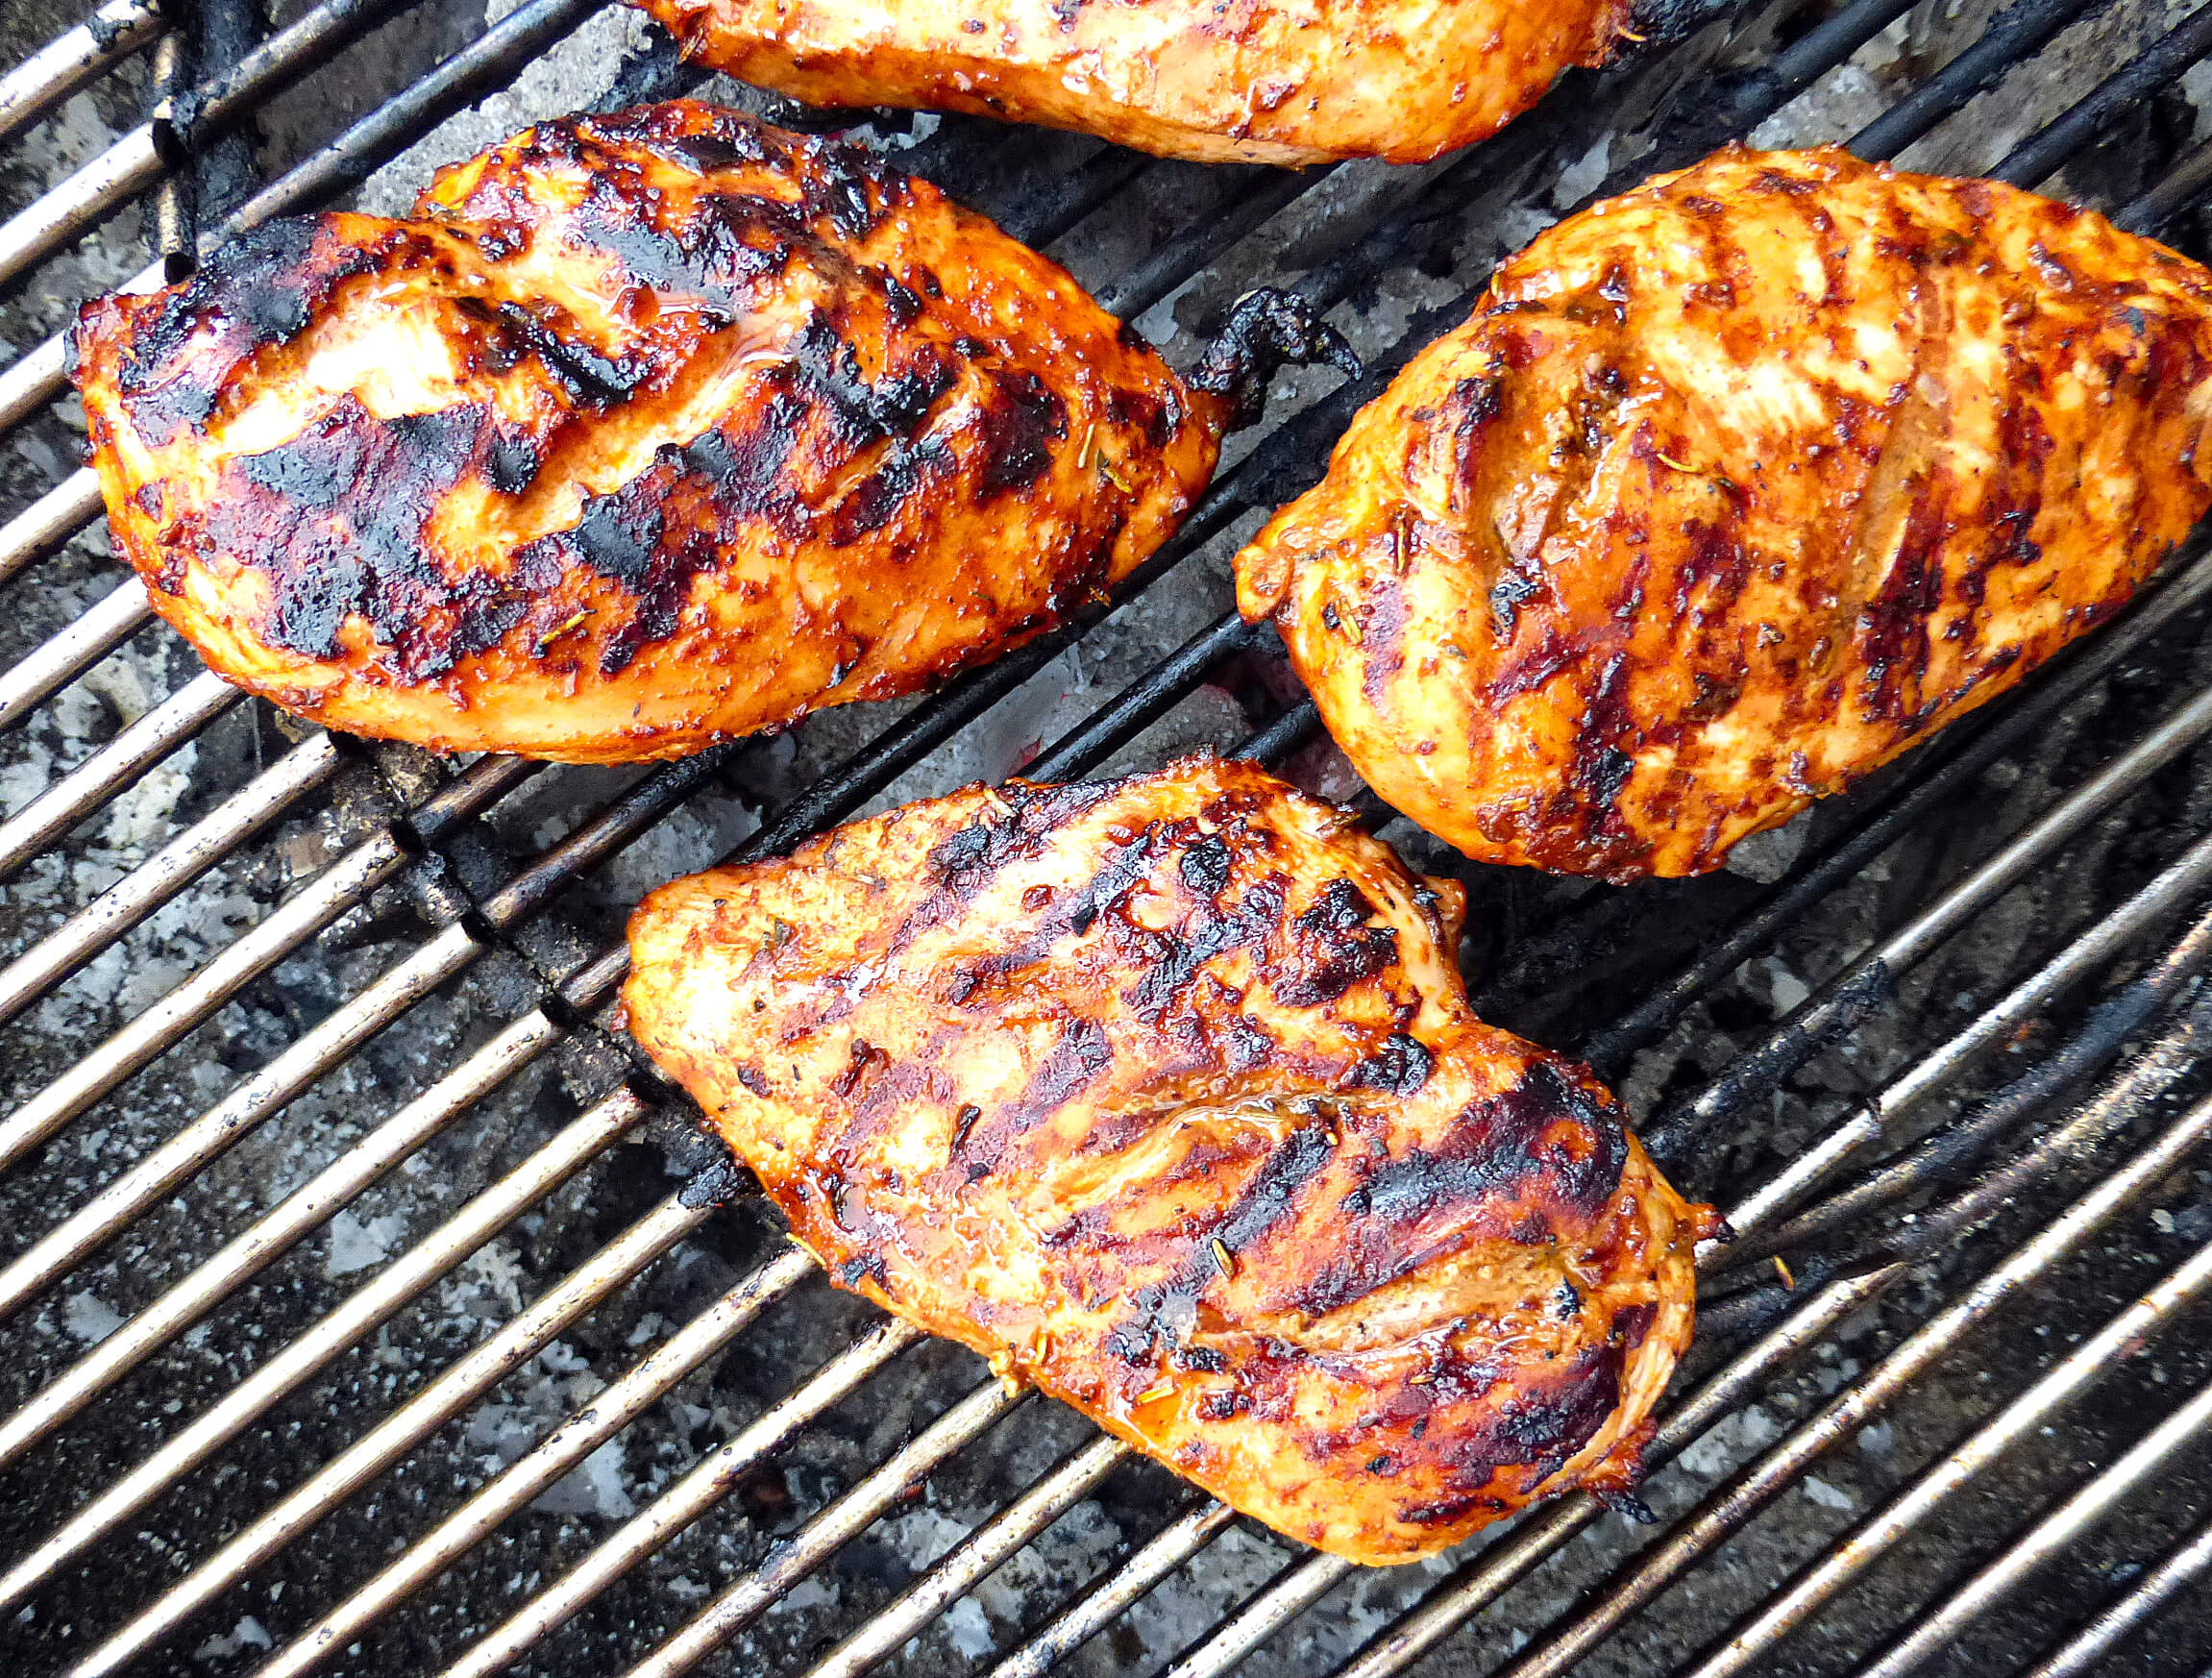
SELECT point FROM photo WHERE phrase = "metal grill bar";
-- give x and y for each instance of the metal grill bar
(1104, 1603)
(49, 521)
(2180, 885)
(2090, 1362)
(2161, 1587)
(976, 1557)
(2036, 159)
(72, 58)
(2110, 1023)
(1288, 1594)
(829, 1532)
(1859, 1403)
(104, 627)
(707, 1483)
(476, 1224)
(167, 871)
(2017, 33)
(137, 161)
(610, 1412)
(2084, 1510)
(105, 773)
(253, 951)
(214, 1278)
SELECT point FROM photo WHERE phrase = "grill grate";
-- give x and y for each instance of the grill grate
(417, 849)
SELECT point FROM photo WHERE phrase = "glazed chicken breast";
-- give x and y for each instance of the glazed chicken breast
(648, 431)
(1733, 488)
(1262, 82)
(1163, 1094)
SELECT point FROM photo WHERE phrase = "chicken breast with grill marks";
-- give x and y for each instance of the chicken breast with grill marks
(648, 431)
(1733, 488)
(1164, 1094)
(1261, 82)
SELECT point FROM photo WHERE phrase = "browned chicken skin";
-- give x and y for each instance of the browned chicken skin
(1261, 82)
(650, 430)
(1164, 1094)
(1733, 488)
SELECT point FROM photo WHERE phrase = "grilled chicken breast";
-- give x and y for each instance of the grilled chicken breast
(1262, 82)
(1164, 1094)
(1733, 488)
(648, 431)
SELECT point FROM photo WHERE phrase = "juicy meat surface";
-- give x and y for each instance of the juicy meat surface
(1264, 80)
(648, 431)
(1733, 488)
(1164, 1094)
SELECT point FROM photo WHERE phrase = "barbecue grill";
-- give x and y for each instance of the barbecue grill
(369, 1308)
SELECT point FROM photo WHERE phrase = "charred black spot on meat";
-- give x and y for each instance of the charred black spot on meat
(1549, 1417)
(1266, 329)
(588, 376)
(1165, 1313)
(334, 517)
(1337, 946)
(1019, 421)
(1401, 1068)
(616, 537)
(511, 463)
(1545, 1138)
(1205, 866)
(262, 288)
(967, 861)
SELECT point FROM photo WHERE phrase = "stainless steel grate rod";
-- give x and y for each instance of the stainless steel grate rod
(705, 1484)
(975, 1558)
(829, 1532)
(560, 1450)
(1690, 1541)
(393, 1289)
(1109, 1598)
(2155, 1592)
(2096, 1356)
(139, 159)
(72, 58)
(208, 841)
(304, 1209)
(50, 520)
(119, 614)
(104, 774)
(327, 895)
(2094, 1502)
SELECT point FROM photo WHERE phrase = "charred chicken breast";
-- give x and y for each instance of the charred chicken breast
(1733, 488)
(647, 431)
(1164, 1094)
(1261, 81)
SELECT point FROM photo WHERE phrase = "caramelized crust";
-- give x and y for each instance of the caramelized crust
(1261, 81)
(650, 430)
(1733, 488)
(1163, 1094)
